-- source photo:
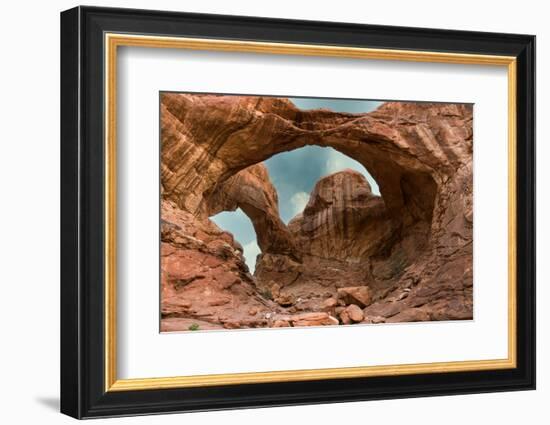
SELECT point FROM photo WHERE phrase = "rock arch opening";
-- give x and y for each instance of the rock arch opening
(240, 226)
(296, 186)
(213, 149)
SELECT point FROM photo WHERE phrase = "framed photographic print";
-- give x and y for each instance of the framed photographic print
(261, 212)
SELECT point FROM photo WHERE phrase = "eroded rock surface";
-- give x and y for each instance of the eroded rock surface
(409, 249)
(204, 279)
(343, 220)
(252, 191)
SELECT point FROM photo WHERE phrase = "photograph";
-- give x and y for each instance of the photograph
(282, 212)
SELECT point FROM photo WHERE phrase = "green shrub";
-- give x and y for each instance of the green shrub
(194, 327)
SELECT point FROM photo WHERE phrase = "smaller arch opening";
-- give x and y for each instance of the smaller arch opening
(239, 225)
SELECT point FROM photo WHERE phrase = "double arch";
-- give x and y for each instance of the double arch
(419, 154)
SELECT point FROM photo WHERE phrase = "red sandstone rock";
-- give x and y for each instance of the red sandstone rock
(204, 277)
(329, 304)
(307, 319)
(344, 317)
(416, 237)
(354, 313)
(232, 324)
(343, 220)
(281, 324)
(252, 192)
(286, 300)
(360, 295)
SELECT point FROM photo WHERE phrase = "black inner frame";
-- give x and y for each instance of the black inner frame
(82, 212)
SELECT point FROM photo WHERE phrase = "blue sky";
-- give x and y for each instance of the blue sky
(294, 175)
(336, 105)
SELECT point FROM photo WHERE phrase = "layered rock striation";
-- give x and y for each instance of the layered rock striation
(343, 220)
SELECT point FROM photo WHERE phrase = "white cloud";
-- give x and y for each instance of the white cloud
(338, 161)
(250, 251)
(299, 201)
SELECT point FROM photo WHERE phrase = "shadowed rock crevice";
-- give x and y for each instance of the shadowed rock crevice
(411, 246)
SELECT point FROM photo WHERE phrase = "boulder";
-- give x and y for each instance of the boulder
(313, 319)
(354, 313)
(329, 305)
(344, 317)
(285, 300)
(359, 295)
(281, 324)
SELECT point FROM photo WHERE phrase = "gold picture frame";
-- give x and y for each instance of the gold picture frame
(114, 41)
